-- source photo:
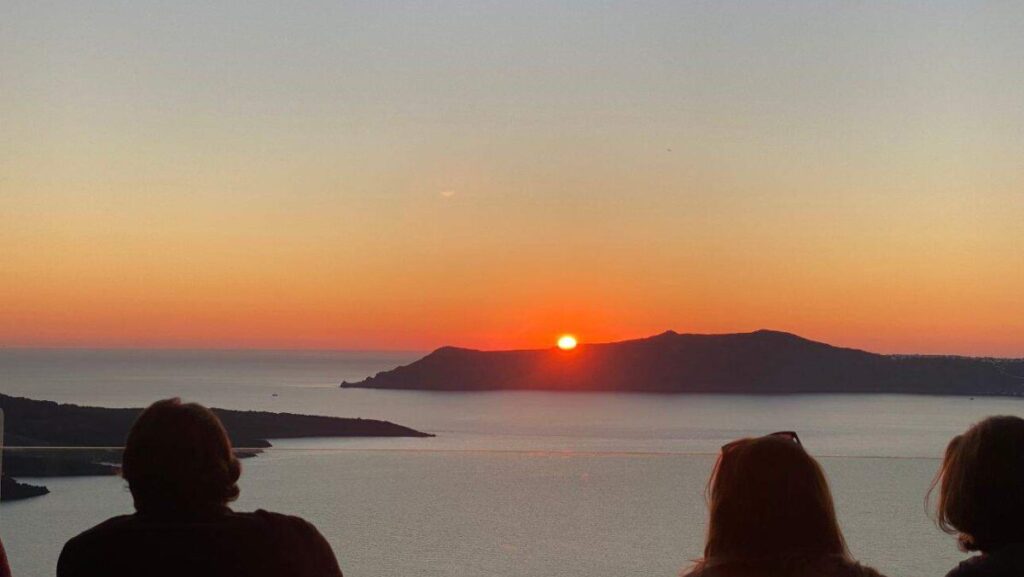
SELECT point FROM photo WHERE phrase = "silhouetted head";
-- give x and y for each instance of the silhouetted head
(770, 505)
(178, 460)
(981, 493)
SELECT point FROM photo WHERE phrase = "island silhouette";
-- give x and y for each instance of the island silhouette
(96, 433)
(759, 362)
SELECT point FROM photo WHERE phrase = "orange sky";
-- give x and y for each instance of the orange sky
(491, 178)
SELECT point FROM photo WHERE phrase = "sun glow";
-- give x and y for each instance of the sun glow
(567, 342)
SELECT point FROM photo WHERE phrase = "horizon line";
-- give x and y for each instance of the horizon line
(426, 351)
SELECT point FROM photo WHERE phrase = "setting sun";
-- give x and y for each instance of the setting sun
(567, 342)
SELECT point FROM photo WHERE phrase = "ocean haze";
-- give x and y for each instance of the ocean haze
(137, 377)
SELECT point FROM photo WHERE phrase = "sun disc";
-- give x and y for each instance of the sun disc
(567, 342)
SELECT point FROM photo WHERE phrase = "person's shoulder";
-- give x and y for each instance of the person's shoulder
(842, 567)
(972, 567)
(279, 524)
(275, 520)
(104, 530)
(858, 570)
(1006, 561)
(93, 541)
(295, 534)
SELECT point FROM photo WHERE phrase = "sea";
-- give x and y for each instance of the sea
(515, 484)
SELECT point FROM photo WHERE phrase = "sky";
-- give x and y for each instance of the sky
(405, 175)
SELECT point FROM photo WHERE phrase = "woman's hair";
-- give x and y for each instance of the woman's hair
(178, 459)
(770, 506)
(981, 485)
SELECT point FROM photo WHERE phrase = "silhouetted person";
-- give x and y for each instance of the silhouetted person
(981, 497)
(771, 515)
(182, 474)
(5, 569)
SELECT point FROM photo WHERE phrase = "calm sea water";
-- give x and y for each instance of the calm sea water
(515, 484)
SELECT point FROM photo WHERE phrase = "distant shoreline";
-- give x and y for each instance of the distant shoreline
(350, 386)
(34, 423)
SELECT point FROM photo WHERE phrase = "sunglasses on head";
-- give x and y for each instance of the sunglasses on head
(786, 435)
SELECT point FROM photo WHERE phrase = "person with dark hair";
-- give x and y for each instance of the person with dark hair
(771, 515)
(182, 474)
(981, 497)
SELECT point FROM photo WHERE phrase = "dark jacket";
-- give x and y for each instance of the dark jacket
(1007, 561)
(222, 543)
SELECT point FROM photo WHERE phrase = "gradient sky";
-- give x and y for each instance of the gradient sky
(404, 175)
